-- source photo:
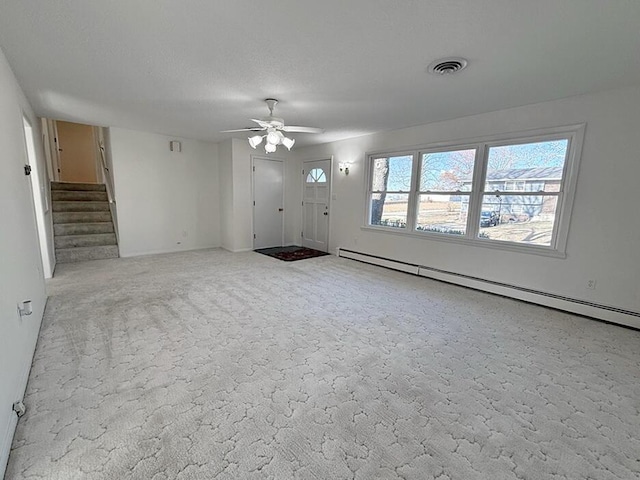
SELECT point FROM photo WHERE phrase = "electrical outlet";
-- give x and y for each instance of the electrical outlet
(591, 284)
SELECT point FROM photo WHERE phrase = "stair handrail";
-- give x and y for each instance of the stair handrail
(110, 191)
(106, 174)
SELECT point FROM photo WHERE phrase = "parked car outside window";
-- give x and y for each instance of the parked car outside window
(489, 219)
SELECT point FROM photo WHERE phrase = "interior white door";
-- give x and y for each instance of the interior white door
(268, 203)
(316, 185)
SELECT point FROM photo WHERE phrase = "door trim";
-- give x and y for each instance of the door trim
(253, 196)
(329, 200)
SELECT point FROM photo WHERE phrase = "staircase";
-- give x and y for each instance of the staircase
(82, 223)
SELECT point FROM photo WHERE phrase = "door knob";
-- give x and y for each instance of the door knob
(326, 213)
(281, 209)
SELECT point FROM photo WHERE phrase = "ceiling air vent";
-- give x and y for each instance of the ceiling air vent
(447, 66)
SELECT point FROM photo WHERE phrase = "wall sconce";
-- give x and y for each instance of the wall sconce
(344, 167)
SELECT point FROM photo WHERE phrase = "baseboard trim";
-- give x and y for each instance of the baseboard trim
(160, 252)
(5, 447)
(606, 313)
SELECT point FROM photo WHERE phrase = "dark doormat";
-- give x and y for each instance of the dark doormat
(291, 254)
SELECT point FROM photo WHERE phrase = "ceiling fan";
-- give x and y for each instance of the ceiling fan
(274, 127)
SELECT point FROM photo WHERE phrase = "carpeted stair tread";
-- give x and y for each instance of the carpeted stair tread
(96, 239)
(83, 228)
(80, 206)
(82, 224)
(78, 186)
(82, 254)
(79, 195)
(81, 217)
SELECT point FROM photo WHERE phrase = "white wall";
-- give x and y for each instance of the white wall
(292, 200)
(225, 151)
(236, 189)
(166, 201)
(242, 196)
(604, 235)
(21, 276)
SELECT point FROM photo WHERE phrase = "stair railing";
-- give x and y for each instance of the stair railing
(108, 181)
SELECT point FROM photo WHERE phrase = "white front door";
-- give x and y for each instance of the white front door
(316, 187)
(268, 202)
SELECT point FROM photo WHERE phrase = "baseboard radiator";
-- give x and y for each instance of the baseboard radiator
(606, 313)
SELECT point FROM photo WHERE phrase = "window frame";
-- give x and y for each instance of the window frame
(574, 134)
(418, 192)
(316, 180)
(370, 191)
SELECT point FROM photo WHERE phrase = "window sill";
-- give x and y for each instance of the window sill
(472, 242)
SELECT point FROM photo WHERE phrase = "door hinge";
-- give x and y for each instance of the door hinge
(254, 203)
(302, 234)
(254, 236)
(254, 168)
(27, 169)
(303, 172)
(303, 204)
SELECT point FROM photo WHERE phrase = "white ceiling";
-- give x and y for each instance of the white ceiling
(195, 67)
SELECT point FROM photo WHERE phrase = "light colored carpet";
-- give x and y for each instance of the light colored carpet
(207, 364)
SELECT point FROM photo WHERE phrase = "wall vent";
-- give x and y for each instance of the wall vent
(447, 66)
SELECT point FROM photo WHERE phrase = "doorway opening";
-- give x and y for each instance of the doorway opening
(73, 151)
(40, 196)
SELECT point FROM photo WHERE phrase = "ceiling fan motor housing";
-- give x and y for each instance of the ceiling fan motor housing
(271, 103)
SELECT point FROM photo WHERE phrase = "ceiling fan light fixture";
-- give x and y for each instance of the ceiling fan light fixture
(288, 142)
(273, 138)
(273, 128)
(255, 140)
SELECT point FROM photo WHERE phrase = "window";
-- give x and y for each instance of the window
(389, 191)
(526, 214)
(444, 191)
(513, 193)
(316, 175)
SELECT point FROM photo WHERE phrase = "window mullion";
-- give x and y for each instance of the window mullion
(414, 197)
(475, 199)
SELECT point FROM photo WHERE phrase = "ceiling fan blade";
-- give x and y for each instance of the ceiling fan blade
(247, 129)
(299, 129)
(262, 123)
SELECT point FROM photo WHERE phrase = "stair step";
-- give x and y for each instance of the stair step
(83, 228)
(78, 195)
(93, 240)
(80, 206)
(81, 254)
(78, 186)
(81, 217)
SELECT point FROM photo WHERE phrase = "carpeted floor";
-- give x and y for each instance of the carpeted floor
(207, 364)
